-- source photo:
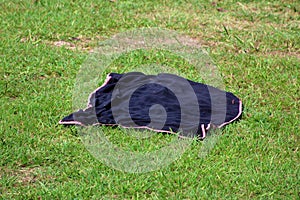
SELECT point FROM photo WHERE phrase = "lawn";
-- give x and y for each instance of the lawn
(255, 46)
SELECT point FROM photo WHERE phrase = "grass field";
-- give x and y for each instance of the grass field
(256, 46)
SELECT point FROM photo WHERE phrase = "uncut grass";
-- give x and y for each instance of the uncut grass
(254, 44)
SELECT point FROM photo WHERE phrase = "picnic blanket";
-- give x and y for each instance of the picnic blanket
(162, 103)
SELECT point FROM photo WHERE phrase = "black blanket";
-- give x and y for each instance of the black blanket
(163, 103)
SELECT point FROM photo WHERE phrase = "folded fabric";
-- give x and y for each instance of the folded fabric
(162, 103)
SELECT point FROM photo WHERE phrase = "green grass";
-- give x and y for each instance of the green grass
(255, 45)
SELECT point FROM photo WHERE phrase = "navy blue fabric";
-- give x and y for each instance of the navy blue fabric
(142, 92)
